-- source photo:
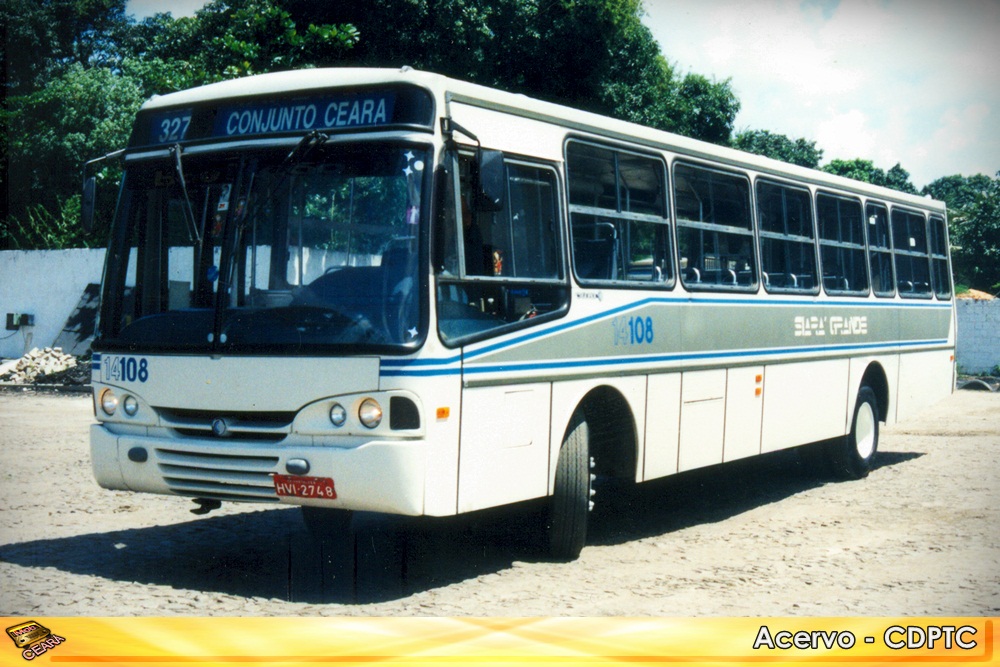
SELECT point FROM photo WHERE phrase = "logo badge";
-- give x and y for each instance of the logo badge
(33, 638)
(220, 427)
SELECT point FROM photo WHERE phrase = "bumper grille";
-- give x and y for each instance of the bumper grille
(219, 476)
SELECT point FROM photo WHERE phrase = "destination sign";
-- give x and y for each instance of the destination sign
(327, 111)
(304, 115)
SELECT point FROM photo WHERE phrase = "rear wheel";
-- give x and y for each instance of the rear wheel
(570, 502)
(852, 456)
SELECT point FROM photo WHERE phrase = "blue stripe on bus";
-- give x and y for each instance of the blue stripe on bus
(402, 371)
(678, 300)
(431, 367)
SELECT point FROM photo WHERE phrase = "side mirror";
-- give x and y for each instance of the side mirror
(491, 183)
(87, 204)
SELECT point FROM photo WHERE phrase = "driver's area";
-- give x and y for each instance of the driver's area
(499, 262)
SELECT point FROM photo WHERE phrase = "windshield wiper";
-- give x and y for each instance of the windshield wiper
(301, 151)
(193, 234)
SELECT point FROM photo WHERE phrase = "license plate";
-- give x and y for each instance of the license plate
(304, 487)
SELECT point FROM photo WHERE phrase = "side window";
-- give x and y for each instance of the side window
(909, 239)
(714, 229)
(499, 268)
(880, 250)
(618, 216)
(787, 244)
(841, 245)
(939, 257)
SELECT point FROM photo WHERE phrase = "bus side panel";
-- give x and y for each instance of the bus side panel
(804, 402)
(663, 422)
(744, 412)
(441, 492)
(703, 419)
(504, 452)
(924, 379)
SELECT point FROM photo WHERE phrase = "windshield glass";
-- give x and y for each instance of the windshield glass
(269, 253)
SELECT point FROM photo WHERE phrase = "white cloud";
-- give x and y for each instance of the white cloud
(909, 81)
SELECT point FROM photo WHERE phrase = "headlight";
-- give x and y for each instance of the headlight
(109, 402)
(338, 415)
(130, 405)
(370, 413)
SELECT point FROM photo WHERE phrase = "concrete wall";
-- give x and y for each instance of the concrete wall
(978, 335)
(47, 284)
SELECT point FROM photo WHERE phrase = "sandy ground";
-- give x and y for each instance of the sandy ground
(920, 536)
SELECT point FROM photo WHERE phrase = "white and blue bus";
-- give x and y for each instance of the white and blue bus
(391, 291)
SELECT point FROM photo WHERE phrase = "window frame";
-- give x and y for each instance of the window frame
(912, 254)
(863, 247)
(750, 232)
(787, 238)
(888, 250)
(937, 259)
(619, 215)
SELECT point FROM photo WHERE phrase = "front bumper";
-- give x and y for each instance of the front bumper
(378, 475)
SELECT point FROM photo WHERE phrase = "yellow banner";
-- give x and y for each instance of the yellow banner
(498, 641)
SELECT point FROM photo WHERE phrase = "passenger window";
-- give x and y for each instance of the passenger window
(909, 240)
(512, 269)
(880, 250)
(714, 229)
(939, 257)
(842, 245)
(618, 216)
(787, 245)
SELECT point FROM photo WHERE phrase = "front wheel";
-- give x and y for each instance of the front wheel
(852, 456)
(570, 502)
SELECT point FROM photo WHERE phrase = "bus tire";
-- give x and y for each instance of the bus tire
(852, 456)
(327, 523)
(570, 502)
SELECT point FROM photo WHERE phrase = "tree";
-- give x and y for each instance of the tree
(81, 114)
(769, 144)
(594, 55)
(227, 39)
(974, 227)
(897, 178)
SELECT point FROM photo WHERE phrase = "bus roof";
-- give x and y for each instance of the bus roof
(453, 90)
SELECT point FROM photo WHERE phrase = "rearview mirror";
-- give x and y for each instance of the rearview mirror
(491, 184)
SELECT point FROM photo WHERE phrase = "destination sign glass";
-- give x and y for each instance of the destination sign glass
(327, 113)
(330, 112)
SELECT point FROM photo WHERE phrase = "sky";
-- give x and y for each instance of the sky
(910, 81)
(915, 82)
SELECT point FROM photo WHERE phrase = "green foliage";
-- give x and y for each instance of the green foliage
(896, 178)
(45, 228)
(81, 114)
(778, 146)
(591, 54)
(974, 228)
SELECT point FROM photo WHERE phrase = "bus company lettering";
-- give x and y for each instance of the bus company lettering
(835, 325)
(299, 117)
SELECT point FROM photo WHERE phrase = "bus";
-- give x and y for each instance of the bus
(390, 291)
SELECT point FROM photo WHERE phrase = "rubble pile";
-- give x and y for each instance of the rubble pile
(46, 366)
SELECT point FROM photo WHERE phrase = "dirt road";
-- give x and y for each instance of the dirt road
(920, 536)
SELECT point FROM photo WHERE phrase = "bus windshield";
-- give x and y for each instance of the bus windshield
(269, 254)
